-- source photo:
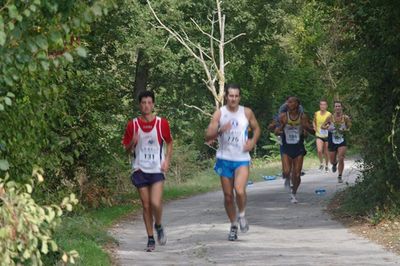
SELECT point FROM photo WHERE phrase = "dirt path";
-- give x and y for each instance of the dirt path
(280, 233)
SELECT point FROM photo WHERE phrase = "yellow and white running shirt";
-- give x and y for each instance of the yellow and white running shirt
(319, 121)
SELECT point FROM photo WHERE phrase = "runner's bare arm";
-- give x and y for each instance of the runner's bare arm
(130, 138)
(306, 124)
(272, 125)
(213, 128)
(347, 120)
(282, 121)
(168, 155)
(315, 120)
(328, 120)
(251, 143)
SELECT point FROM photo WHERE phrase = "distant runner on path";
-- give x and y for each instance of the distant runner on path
(144, 137)
(292, 126)
(276, 124)
(230, 125)
(338, 125)
(322, 134)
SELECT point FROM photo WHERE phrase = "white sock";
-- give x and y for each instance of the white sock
(241, 214)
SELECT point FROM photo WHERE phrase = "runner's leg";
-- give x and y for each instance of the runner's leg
(144, 193)
(326, 155)
(297, 166)
(156, 192)
(320, 151)
(241, 177)
(287, 163)
(341, 155)
(227, 188)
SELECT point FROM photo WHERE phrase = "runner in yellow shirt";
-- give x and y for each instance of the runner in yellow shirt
(322, 134)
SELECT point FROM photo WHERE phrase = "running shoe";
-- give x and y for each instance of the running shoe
(321, 167)
(233, 233)
(161, 237)
(326, 169)
(243, 224)
(334, 167)
(340, 179)
(293, 198)
(151, 245)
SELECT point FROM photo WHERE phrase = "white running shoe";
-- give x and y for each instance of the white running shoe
(243, 224)
(293, 198)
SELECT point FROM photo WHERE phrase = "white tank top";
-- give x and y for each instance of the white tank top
(148, 152)
(231, 142)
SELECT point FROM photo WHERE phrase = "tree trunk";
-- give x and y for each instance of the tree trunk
(142, 73)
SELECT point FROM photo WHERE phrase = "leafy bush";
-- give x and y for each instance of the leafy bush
(26, 228)
(185, 163)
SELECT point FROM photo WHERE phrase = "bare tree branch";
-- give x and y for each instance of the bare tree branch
(166, 43)
(198, 109)
(237, 36)
(214, 71)
(202, 31)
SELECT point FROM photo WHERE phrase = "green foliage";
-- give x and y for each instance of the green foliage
(185, 163)
(39, 40)
(26, 227)
(273, 149)
(370, 40)
(37, 46)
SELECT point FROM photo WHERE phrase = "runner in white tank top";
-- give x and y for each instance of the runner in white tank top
(229, 125)
(146, 136)
(231, 143)
(149, 152)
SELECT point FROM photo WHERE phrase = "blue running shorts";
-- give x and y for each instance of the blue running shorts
(227, 168)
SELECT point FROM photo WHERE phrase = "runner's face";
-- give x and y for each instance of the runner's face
(338, 107)
(292, 104)
(323, 106)
(233, 98)
(146, 105)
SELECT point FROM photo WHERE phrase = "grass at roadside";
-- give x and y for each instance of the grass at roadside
(86, 232)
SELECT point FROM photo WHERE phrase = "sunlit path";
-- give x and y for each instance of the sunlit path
(280, 233)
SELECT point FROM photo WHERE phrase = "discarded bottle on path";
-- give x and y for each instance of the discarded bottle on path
(320, 191)
(269, 177)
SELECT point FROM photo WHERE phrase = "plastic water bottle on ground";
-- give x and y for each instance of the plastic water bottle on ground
(320, 191)
(269, 177)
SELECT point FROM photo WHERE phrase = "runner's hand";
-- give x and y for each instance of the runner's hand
(165, 165)
(249, 145)
(225, 128)
(134, 141)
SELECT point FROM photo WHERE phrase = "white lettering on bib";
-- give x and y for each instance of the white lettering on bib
(292, 134)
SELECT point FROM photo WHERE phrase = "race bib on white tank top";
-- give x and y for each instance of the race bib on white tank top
(148, 151)
(231, 142)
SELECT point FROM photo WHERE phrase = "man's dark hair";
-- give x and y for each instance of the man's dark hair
(295, 98)
(145, 94)
(323, 100)
(231, 86)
